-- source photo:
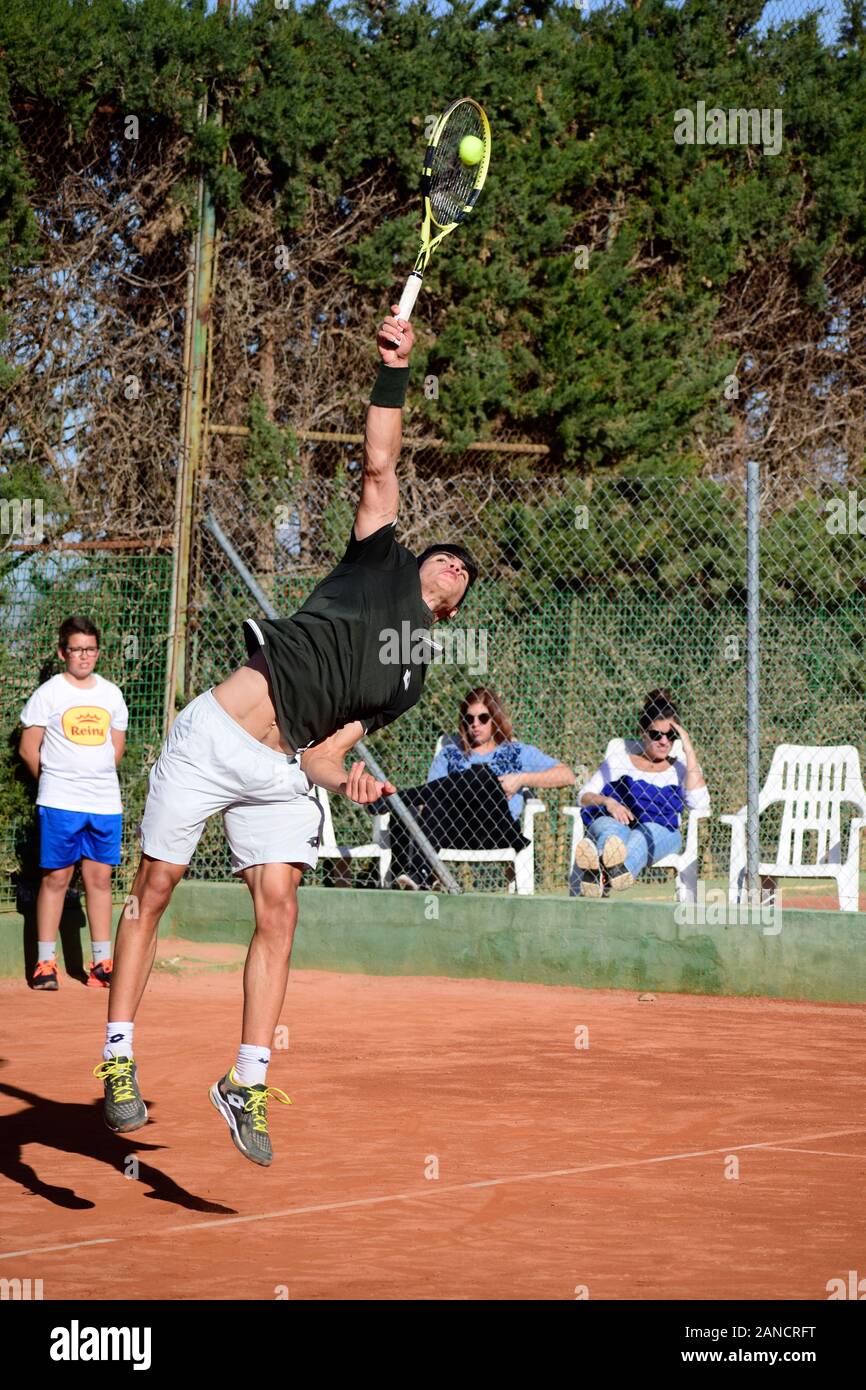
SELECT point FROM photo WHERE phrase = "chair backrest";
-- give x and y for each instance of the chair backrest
(812, 783)
(328, 838)
(444, 740)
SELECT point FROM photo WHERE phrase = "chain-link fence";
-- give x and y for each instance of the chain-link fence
(593, 589)
(590, 596)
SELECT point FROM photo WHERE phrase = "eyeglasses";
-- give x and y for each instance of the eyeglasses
(656, 734)
(476, 718)
(81, 651)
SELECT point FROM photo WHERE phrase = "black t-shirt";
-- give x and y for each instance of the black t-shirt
(358, 648)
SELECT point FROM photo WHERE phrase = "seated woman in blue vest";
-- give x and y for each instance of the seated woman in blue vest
(633, 803)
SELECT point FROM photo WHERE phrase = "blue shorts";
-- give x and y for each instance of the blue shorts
(67, 836)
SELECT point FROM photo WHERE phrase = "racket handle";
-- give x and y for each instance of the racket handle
(409, 295)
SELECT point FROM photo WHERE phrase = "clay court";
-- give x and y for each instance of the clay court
(563, 1171)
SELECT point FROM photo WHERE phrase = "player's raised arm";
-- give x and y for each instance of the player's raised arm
(384, 432)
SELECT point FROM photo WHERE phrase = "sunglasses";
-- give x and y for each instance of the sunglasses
(656, 734)
(476, 718)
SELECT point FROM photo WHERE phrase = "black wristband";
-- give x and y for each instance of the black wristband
(390, 386)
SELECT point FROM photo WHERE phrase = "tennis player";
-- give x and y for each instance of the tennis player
(252, 747)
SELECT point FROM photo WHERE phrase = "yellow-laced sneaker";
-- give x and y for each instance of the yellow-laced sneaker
(124, 1108)
(245, 1111)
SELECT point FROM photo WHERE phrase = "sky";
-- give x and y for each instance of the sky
(775, 11)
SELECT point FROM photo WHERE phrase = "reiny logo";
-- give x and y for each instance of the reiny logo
(77, 1343)
(86, 724)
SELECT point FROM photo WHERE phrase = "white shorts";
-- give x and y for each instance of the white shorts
(208, 764)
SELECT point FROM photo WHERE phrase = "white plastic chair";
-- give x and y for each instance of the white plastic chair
(523, 860)
(379, 848)
(811, 783)
(685, 864)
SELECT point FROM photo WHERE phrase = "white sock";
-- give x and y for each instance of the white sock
(251, 1068)
(47, 950)
(118, 1040)
(101, 951)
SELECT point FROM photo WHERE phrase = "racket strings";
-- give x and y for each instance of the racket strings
(452, 181)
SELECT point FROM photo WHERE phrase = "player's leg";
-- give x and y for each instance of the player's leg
(274, 889)
(137, 928)
(100, 852)
(242, 1095)
(59, 852)
(134, 951)
(273, 838)
(188, 783)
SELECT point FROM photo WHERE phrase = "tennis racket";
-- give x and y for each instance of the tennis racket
(449, 187)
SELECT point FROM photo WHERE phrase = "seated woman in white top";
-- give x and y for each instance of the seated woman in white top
(634, 801)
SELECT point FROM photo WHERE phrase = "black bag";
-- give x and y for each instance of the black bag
(469, 810)
(466, 810)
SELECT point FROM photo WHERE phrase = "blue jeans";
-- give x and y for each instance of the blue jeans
(644, 844)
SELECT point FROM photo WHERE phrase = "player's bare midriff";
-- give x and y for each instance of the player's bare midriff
(246, 696)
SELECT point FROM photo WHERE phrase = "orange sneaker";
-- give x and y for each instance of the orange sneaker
(100, 975)
(45, 975)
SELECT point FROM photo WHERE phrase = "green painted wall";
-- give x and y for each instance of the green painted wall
(544, 939)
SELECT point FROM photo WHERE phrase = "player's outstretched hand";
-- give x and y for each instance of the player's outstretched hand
(395, 339)
(363, 787)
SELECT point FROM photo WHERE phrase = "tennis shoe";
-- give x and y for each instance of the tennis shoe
(614, 852)
(589, 876)
(45, 975)
(619, 877)
(245, 1111)
(123, 1108)
(100, 975)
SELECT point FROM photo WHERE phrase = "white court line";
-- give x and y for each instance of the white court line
(46, 1249)
(823, 1153)
(436, 1190)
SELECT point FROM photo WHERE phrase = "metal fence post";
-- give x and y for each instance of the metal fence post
(193, 434)
(752, 674)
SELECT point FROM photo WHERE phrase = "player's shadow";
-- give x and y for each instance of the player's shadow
(74, 1128)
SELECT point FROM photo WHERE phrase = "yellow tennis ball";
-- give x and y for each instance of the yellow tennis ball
(471, 149)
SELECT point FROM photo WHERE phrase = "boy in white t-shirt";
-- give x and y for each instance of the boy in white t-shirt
(74, 735)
